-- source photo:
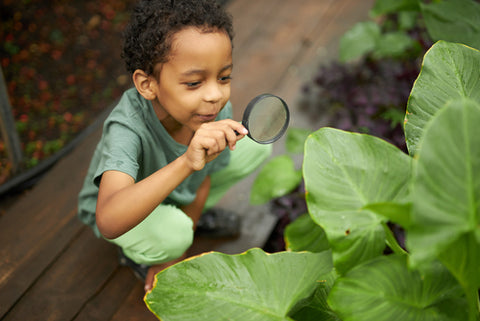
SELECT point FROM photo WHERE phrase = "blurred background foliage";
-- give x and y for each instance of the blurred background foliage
(62, 67)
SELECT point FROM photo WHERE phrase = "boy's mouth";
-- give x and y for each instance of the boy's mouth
(207, 118)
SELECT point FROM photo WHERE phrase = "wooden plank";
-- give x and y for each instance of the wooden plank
(36, 229)
(22, 261)
(324, 40)
(22, 271)
(321, 47)
(60, 293)
(134, 308)
(262, 61)
(249, 18)
(104, 304)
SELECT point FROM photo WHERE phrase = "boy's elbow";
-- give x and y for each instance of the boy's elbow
(109, 235)
(105, 227)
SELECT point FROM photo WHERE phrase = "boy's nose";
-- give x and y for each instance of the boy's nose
(213, 92)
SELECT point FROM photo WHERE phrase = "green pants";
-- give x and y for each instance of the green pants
(168, 232)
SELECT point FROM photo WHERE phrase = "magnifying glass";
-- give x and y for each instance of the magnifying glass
(266, 118)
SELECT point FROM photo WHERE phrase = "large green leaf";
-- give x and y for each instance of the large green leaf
(359, 40)
(453, 20)
(446, 189)
(277, 178)
(399, 213)
(249, 286)
(343, 173)
(462, 258)
(304, 234)
(318, 308)
(385, 289)
(446, 193)
(449, 71)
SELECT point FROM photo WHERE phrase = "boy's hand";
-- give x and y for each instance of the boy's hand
(211, 139)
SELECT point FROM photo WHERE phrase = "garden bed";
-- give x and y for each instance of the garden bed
(62, 66)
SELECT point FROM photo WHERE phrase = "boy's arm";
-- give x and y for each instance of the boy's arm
(122, 203)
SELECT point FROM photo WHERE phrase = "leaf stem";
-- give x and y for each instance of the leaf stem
(391, 241)
(474, 304)
(477, 294)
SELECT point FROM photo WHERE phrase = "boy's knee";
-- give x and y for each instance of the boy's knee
(163, 236)
(171, 243)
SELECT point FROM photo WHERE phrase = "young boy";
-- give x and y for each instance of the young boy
(169, 149)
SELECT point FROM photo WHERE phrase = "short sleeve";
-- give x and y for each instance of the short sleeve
(119, 150)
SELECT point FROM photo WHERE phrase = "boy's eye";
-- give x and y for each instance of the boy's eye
(192, 84)
(226, 78)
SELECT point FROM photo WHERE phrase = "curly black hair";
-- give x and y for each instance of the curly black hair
(148, 37)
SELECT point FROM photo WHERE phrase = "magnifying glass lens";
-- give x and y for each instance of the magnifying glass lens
(266, 118)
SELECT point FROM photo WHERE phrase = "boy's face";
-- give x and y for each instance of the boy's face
(194, 84)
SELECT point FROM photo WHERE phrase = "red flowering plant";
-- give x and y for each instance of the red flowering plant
(62, 66)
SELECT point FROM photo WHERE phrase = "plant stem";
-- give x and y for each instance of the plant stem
(473, 304)
(392, 242)
(477, 294)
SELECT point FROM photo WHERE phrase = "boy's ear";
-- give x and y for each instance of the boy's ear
(143, 83)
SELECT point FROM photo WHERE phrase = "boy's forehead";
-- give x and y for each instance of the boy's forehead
(193, 48)
(192, 38)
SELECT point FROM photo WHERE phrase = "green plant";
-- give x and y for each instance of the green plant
(279, 176)
(250, 286)
(280, 184)
(355, 184)
(399, 29)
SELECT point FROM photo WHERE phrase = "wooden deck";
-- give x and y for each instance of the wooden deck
(53, 268)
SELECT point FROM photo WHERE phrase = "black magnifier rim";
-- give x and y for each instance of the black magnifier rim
(248, 110)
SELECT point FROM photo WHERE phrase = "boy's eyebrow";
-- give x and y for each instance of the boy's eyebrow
(230, 66)
(199, 71)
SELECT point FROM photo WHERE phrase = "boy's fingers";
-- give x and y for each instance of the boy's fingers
(213, 143)
(232, 124)
(239, 131)
(229, 130)
(242, 131)
(212, 138)
(239, 128)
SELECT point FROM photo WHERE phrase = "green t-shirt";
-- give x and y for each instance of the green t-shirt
(135, 142)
